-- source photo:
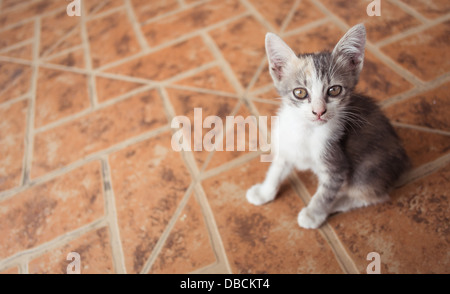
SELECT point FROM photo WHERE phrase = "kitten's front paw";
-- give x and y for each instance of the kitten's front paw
(310, 220)
(256, 196)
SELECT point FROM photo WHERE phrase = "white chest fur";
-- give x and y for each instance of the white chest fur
(301, 142)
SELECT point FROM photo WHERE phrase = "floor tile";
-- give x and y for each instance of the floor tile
(416, 217)
(95, 256)
(242, 44)
(429, 109)
(12, 137)
(59, 94)
(168, 62)
(186, 21)
(378, 81)
(185, 102)
(423, 147)
(274, 11)
(241, 137)
(111, 88)
(10, 271)
(16, 34)
(54, 29)
(111, 38)
(15, 80)
(145, 11)
(149, 180)
(8, 4)
(430, 9)
(73, 58)
(34, 8)
(23, 52)
(212, 79)
(305, 13)
(392, 19)
(188, 246)
(71, 141)
(264, 239)
(51, 209)
(94, 7)
(426, 54)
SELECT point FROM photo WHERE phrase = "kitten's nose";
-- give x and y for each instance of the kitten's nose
(320, 112)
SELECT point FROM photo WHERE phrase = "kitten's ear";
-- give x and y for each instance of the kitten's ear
(349, 51)
(279, 55)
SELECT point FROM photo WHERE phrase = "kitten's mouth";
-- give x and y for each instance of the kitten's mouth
(320, 120)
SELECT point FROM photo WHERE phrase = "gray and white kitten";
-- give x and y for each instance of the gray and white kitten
(343, 137)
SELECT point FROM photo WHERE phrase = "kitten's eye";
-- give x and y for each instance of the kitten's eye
(300, 93)
(334, 91)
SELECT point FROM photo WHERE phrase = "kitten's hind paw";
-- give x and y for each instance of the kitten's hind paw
(310, 220)
(257, 196)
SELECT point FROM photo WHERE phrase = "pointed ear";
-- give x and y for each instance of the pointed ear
(279, 55)
(349, 51)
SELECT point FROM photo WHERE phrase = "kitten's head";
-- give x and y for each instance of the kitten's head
(318, 84)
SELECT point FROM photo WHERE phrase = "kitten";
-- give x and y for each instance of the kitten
(343, 137)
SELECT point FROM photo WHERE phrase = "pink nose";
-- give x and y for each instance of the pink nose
(320, 112)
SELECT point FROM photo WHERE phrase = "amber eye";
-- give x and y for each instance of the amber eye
(334, 91)
(300, 93)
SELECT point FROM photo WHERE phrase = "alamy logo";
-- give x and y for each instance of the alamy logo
(75, 266)
(74, 8)
(214, 139)
(374, 8)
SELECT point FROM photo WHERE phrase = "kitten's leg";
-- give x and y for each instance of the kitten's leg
(357, 198)
(321, 204)
(267, 190)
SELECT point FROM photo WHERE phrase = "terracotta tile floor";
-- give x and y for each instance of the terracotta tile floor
(86, 163)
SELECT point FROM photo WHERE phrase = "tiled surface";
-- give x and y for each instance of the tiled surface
(87, 166)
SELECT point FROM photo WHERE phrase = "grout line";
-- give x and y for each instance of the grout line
(10, 102)
(225, 66)
(170, 13)
(136, 28)
(273, 101)
(191, 72)
(25, 256)
(170, 114)
(306, 27)
(181, 3)
(409, 10)
(420, 128)
(343, 258)
(431, 85)
(220, 137)
(86, 159)
(50, 49)
(170, 43)
(255, 13)
(229, 165)
(423, 170)
(256, 75)
(94, 15)
(29, 138)
(111, 218)
(411, 31)
(373, 49)
(202, 90)
(16, 45)
(222, 263)
(103, 105)
(61, 53)
(166, 233)
(289, 16)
